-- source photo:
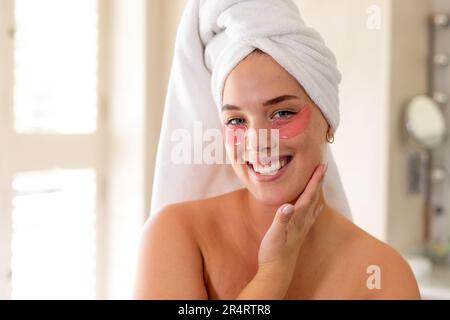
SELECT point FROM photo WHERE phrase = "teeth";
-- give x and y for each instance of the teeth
(269, 170)
(273, 168)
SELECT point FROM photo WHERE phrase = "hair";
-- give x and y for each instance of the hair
(257, 51)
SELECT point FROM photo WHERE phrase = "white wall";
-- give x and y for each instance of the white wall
(162, 22)
(363, 59)
(6, 60)
(126, 149)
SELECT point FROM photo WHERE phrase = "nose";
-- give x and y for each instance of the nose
(261, 140)
(260, 136)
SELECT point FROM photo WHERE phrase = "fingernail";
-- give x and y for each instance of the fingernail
(288, 209)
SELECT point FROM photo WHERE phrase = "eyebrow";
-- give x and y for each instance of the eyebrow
(265, 104)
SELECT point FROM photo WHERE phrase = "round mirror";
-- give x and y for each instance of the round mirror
(425, 122)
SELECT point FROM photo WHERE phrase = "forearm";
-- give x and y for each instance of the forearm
(266, 285)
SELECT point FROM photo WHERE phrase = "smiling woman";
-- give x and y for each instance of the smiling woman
(255, 80)
(285, 233)
(240, 230)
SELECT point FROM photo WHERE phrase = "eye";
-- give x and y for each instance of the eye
(283, 114)
(235, 122)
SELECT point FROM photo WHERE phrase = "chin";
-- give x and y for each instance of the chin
(269, 197)
(273, 193)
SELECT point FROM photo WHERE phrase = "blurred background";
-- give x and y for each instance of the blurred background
(82, 89)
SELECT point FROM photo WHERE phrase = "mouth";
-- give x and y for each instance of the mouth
(270, 171)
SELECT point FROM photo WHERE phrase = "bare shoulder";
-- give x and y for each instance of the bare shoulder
(188, 214)
(378, 270)
(170, 263)
(201, 215)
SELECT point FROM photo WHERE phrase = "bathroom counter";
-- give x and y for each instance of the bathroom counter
(435, 285)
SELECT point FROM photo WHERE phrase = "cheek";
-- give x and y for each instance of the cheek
(309, 153)
(234, 136)
(295, 125)
(234, 141)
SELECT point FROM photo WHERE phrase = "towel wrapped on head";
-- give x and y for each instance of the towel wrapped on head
(232, 29)
(212, 38)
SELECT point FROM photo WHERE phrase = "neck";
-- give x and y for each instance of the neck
(260, 216)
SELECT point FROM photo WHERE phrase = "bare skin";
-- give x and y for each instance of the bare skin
(208, 249)
(332, 263)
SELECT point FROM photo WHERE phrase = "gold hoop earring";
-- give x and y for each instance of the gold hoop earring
(330, 137)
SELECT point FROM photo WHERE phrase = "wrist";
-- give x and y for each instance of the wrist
(276, 272)
(279, 267)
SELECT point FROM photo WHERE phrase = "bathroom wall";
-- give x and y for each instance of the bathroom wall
(441, 78)
(362, 53)
(6, 58)
(408, 77)
(126, 146)
(162, 22)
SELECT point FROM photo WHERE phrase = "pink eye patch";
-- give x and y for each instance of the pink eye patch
(294, 125)
(288, 128)
(234, 136)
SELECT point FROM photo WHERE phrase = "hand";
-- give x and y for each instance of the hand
(281, 244)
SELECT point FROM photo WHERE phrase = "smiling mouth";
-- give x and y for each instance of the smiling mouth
(270, 169)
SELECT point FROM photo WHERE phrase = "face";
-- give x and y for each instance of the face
(260, 97)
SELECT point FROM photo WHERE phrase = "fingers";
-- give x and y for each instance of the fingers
(285, 214)
(277, 230)
(301, 214)
(308, 206)
(310, 194)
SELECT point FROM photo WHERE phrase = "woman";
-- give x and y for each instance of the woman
(278, 237)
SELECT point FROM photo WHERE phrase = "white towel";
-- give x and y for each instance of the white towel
(213, 37)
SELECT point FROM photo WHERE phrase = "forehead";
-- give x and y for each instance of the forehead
(259, 78)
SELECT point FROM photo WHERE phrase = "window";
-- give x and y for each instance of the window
(58, 150)
(55, 64)
(51, 170)
(53, 235)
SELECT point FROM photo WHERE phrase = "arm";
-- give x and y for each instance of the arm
(268, 284)
(170, 263)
